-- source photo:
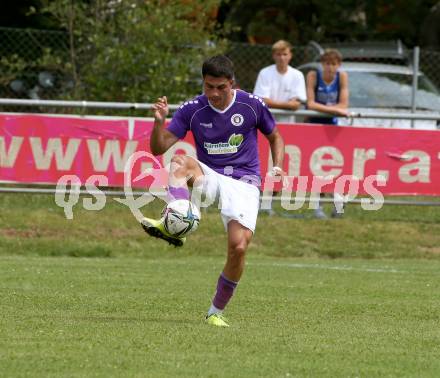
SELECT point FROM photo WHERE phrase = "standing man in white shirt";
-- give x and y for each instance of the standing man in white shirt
(280, 85)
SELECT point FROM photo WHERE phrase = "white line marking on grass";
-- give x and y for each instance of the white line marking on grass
(326, 267)
(295, 266)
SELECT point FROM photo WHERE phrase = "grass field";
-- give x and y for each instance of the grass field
(94, 296)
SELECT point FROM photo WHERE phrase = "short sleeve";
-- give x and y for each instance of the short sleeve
(299, 86)
(262, 86)
(179, 124)
(266, 122)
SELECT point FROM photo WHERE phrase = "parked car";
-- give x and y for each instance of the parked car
(386, 88)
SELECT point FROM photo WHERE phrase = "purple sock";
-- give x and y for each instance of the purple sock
(225, 289)
(176, 193)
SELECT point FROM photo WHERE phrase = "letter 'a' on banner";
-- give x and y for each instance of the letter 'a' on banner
(41, 149)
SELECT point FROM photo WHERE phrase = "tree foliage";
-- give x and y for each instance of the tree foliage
(300, 21)
(133, 50)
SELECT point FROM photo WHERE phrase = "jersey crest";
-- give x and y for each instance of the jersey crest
(237, 119)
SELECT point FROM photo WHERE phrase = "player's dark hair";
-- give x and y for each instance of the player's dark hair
(218, 66)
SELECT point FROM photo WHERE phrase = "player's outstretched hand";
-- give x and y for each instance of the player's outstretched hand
(161, 109)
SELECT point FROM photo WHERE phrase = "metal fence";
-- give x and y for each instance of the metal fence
(50, 189)
(25, 74)
(23, 71)
(249, 59)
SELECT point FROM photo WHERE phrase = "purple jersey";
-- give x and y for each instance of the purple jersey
(226, 140)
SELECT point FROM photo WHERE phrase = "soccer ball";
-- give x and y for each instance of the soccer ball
(181, 218)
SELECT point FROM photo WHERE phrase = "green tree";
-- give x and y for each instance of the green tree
(135, 50)
(300, 21)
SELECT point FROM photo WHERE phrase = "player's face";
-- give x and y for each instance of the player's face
(218, 90)
(282, 58)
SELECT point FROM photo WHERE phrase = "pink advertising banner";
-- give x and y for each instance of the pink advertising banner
(407, 160)
(44, 148)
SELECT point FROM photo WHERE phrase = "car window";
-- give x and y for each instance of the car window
(390, 90)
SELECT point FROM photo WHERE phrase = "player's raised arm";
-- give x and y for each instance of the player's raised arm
(161, 139)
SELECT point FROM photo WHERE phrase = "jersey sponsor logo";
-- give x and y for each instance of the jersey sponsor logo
(237, 119)
(230, 147)
(207, 125)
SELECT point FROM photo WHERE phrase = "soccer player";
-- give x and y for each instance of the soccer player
(224, 122)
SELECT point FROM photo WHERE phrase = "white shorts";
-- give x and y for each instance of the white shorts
(238, 200)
